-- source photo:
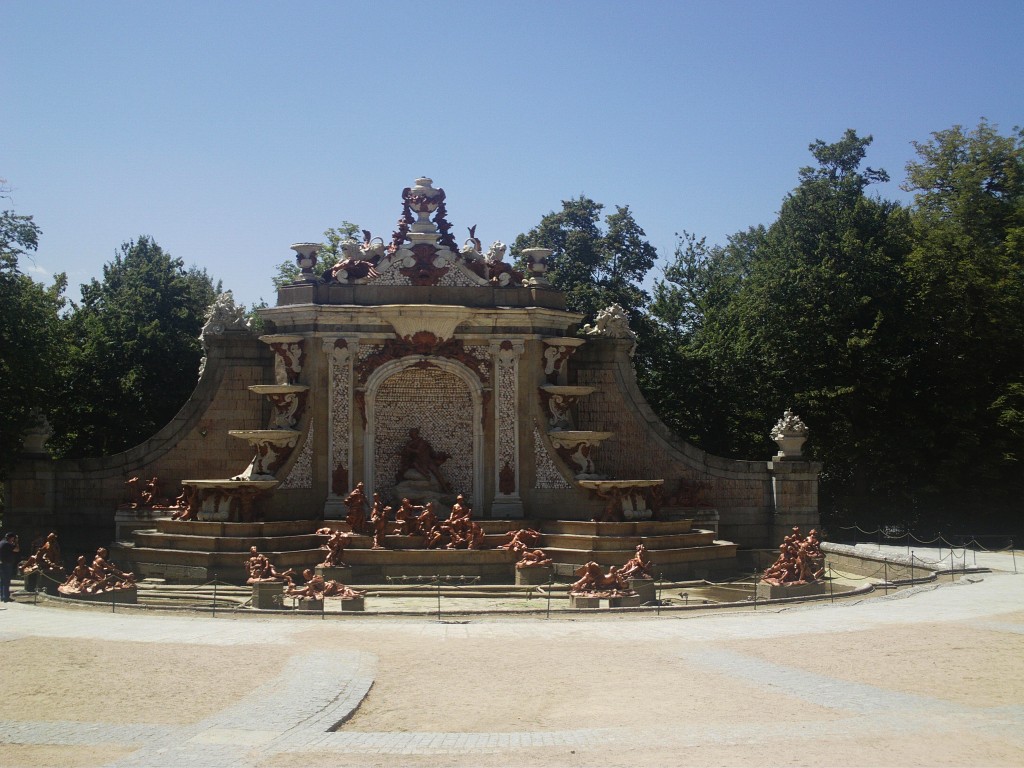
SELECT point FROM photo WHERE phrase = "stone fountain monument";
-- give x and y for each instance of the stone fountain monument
(422, 369)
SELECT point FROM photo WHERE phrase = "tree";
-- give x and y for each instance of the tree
(134, 352)
(329, 254)
(967, 276)
(30, 339)
(594, 266)
(807, 313)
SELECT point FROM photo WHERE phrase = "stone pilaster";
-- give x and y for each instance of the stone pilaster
(507, 500)
(794, 496)
(340, 353)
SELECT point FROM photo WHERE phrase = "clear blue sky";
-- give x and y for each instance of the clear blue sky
(229, 130)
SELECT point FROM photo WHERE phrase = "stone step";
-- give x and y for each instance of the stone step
(562, 541)
(722, 550)
(195, 543)
(305, 558)
(632, 528)
(237, 530)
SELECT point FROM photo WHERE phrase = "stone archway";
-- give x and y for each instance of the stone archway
(442, 399)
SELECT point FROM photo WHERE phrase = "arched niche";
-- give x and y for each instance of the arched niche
(440, 397)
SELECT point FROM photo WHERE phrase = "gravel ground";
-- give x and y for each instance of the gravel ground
(928, 676)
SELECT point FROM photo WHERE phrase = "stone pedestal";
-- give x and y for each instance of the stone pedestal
(584, 601)
(30, 581)
(353, 604)
(311, 604)
(794, 495)
(537, 574)
(644, 588)
(268, 595)
(625, 601)
(766, 591)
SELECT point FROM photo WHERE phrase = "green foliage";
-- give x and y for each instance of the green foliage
(967, 273)
(593, 266)
(30, 338)
(134, 350)
(896, 333)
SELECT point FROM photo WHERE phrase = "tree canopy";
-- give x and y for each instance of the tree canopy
(593, 264)
(30, 337)
(134, 350)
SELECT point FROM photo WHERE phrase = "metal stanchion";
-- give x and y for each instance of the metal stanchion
(1014, 556)
(438, 580)
(215, 595)
(885, 567)
(551, 584)
(754, 580)
(911, 567)
(830, 589)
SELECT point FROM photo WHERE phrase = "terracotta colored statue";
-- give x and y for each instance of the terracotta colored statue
(800, 560)
(524, 538)
(46, 559)
(406, 522)
(316, 588)
(417, 454)
(187, 503)
(639, 566)
(594, 581)
(379, 522)
(355, 502)
(533, 558)
(260, 568)
(101, 576)
(427, 519)
(335, 547)
(80, 581)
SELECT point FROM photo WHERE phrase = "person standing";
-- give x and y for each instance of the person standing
(9, 550)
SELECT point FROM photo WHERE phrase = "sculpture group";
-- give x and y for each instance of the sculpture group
(800, 561)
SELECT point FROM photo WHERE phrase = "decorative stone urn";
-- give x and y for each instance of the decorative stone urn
(305, 257)
(537, 261)
(790, 433)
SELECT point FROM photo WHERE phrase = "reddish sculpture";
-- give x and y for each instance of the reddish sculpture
(335, 547)
(379, 521)
(355, 502)
(47, 560)
(316, 588)
(800, 561)
(639, 566)
(594, 582)
(101, 576)
(260, 568)
(407, 518)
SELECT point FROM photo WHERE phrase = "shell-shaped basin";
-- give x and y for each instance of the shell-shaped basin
(277, 389)
(567, 391)
(575, 437)
(272, 436)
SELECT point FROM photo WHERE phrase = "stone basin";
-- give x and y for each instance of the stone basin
(564, 341)
(272, 436)
(277, 389)
(571, 437)
(281, 338)
(567, 390)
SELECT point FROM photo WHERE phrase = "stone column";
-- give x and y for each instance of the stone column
(507, 501)
(794, 496)
(341, 353)
(794, 480)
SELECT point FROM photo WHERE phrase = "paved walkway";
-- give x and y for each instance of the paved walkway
(298, 717)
